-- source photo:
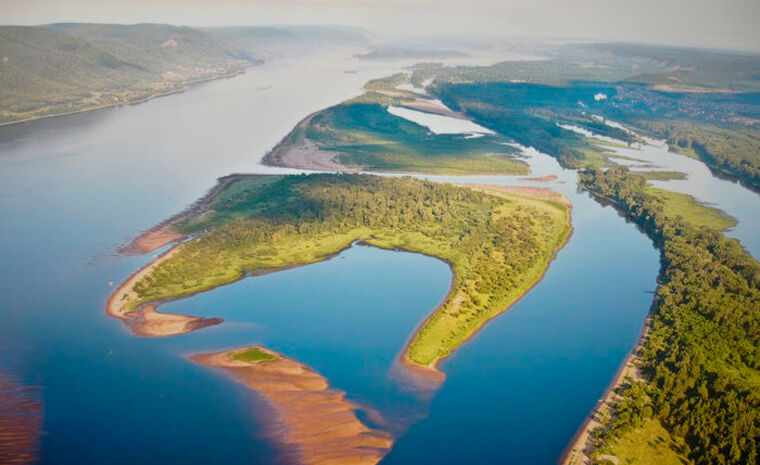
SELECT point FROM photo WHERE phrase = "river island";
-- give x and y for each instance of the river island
(498, 242)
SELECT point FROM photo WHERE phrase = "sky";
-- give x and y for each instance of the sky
(733, 24)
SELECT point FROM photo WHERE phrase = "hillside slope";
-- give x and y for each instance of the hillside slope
(63, 68)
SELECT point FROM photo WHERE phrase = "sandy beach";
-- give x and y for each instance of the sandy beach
(577, 452)
(319, 422)
(146, 320)
(304, 154)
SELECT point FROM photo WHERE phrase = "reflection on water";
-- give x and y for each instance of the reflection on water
(72, 189)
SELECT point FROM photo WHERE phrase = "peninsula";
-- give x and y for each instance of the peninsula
(498, 244)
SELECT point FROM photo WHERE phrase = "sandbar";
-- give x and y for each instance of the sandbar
(320, 423)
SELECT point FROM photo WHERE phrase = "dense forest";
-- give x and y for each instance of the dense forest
(497, 244)
(701, 358)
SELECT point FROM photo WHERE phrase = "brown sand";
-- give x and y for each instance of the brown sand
(308, 156)
(577, 452)
(304, 154)
(551, 177)
(21, 417)
(164, 233)
(320, 423)
(152, 240)
(429, 106)
(145, 320)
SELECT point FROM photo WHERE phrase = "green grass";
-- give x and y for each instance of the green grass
(361, 132)
(253, 355)
(648, 445)
(663, 175)
(498, 245)
(688, 208)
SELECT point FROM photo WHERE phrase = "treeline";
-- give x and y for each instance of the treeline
(702, 354)
(735, 152)
(530, 113)
(498, 247)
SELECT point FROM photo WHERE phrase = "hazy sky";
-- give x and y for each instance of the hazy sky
(707, 23)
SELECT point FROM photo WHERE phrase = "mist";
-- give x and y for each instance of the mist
(728, 24)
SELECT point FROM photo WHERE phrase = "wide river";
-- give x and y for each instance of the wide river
(72, 189)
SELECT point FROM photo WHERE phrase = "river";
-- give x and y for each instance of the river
(72, 189)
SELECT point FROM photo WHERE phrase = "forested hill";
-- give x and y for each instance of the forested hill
(61, 68)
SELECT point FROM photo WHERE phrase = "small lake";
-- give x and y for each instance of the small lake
(74, 188)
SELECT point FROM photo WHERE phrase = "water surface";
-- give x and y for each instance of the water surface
(74, 188)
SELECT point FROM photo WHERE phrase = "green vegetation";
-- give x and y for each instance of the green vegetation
(663, 175)
(701, 354)
(361, 132)
(650, 443)
(687, 207)
(705, 103)
(733, 151)
(530, 113)
(498, 245)
(253, 355)
(64, 68)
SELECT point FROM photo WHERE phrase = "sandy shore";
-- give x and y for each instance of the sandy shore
(307, 156)
(164, 233)
(429, 106)
(145, 320)
(577, 452)
(304, 154)
(320, 423)
(548, 178)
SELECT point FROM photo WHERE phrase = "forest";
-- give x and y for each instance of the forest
(497, 244)
(701, 358)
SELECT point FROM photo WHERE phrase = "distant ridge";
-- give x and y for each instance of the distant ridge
(70, 67)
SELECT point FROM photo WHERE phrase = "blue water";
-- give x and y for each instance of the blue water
(72, 189)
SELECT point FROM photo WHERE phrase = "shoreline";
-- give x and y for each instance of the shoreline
(184, 87)
(161, 234)
(146, 321)
(575, 451)
(320, 423)
(432, 371)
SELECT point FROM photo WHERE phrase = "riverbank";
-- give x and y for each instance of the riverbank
(577, 452)
(165, 232)
(320, 423)
(209, 262)
(144, 320)
(184, 86)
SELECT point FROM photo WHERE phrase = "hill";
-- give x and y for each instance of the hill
(63, 68)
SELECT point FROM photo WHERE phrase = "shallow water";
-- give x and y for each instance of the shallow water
(72, 189)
